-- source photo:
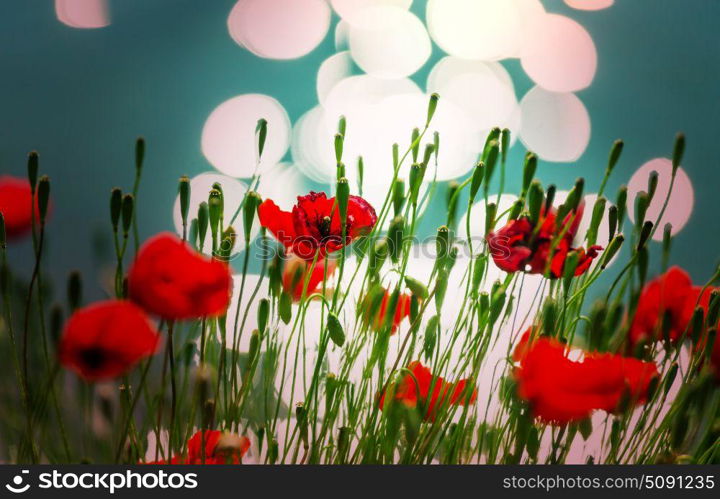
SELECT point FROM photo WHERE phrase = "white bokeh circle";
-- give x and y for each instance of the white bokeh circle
(228, 137)
(562, 55)
(680, 204)
(388, 41)
(476, 29)
(279, 29)
(333, 70)
(348, 10)
(556, 126)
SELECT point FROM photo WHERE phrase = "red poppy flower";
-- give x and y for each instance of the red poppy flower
(171, 280)
(16, 206)
(415, 388)
(106, 339)
(296, 271)
(522, 246)
(314, 226)
(560, 390)
(214, 454)
(671, 293)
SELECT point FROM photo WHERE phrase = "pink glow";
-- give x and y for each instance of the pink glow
(681, 201)
(84, 14)
(562, 55)
(590, 4)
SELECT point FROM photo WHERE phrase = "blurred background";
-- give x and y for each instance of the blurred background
(82, 79)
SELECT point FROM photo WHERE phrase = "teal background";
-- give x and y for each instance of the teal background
(81, 97)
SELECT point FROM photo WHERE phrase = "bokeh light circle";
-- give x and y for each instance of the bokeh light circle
(589, 4)
(279, 29)
(228, 137)
(333, 70)
(682, 199)
(83, 14)
(562, 55)
(476, 29)
(349, 9)
(388, 42)
(556, 126)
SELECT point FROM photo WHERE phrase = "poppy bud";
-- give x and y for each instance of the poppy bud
(301, 417)
(261, 135)
(612, 221)
(139, 154)
(504, 144)
(395, 237)
(713, 308)
(343, 443)
(452, 202)
(490, 157)
(360, 174)
(215, 208)
(417, 172)
(3, 235)
(203, 218)
(549, 316)
(128, 206)
(205, 377)
(442, 245)
(615, 152)
(477, 178)
(193, 233)
(652, 184)
(642, 201)
(529, 169)
(285, 307)
(611, 250)
(392, 305)
(576, 195)
(431, 333)
(184, 189)
(43, 197)
(441, 285)
(571, 263)
(621, 204)
(427, 154)
(645, 234)
(56, 323)
(414, 144)
(436, 144)
(477, 274)
(339, 143)
(535, 201)
(493, 135)
(432, 106)
(497, 303)
(342, 194)
(32, 167)
(666, 242)
(516, 209)
(335, 329)
(398, 196)
(253, 349)
(550, 197)
(416, 287)
(263, 314)
(342, 125)
(252, 201)
(115, 207)
(483, 306)
(697, 322)
(490, 213)
(597, 214)
(678, 151)
(377, 256)
(585, 427)
(272, 452)
(74, 290)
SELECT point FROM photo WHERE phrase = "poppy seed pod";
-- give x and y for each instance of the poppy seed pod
(343, 196)
(43, 197)
(252, 201)
(417, 172)
(614, 157)
(32, 169)
(261, 134)
(477, 179)
(396, 233)
(339, 144)
(203, 220)
(529, 169)
(432, 106)
(414, 145)
(128, 208)
(678, 151)
(398, 196)
(184, 189)
(139, 154)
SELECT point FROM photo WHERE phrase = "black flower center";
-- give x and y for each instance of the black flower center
(94, 358)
